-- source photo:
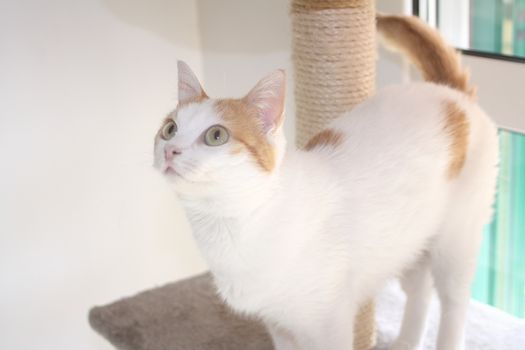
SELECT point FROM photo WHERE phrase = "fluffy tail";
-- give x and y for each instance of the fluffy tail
(424, 46)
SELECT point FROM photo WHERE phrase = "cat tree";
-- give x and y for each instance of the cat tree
(334, 58)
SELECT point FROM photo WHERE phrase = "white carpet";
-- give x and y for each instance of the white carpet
(487, 327)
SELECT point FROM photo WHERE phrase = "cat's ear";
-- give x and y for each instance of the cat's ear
(189, 86)
(268, 99)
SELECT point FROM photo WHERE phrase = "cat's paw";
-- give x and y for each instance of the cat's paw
(400, 344)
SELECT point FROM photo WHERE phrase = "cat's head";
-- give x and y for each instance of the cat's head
(211, 145)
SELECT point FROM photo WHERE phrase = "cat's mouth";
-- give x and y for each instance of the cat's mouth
(169, 170)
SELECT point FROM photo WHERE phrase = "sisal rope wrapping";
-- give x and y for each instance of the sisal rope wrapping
(334, 56)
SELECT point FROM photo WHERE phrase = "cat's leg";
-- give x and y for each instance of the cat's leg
(333, 330)
(417, 284)
(453, 266)
(282, 339)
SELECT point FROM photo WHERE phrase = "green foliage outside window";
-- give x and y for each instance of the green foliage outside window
(498, 26)
(500, 279)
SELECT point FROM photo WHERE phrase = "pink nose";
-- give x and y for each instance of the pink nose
(170, 152)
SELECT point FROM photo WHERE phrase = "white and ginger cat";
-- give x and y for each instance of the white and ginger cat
(401, 186)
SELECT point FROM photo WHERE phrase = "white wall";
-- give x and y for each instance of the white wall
(84, 219)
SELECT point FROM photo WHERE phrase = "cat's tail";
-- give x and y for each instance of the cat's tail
(438, 62)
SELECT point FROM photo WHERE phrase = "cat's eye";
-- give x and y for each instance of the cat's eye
(216, 135)
(168, 130)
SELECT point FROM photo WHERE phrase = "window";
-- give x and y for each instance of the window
(491, 28)
(491, 33)
(500, 279)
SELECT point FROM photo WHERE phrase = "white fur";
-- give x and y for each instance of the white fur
(304, 246)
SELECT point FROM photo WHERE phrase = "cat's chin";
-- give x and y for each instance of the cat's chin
(180, 183)
(172, 175)
(169, 171)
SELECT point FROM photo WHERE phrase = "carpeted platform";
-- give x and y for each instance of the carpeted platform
(187, 315)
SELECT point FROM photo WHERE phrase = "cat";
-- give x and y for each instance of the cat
(400, 186)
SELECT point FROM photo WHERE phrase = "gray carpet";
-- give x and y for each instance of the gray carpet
(186, 315)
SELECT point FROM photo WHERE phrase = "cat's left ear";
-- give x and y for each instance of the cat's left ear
(268, 99)
(189, 86)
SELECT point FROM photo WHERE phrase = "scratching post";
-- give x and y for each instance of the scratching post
(334, 59)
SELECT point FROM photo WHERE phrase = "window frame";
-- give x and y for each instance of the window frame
(416, 9)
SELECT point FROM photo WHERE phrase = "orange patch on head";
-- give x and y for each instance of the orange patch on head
(327, 137)
(457, 127)
(170, 117)
(197, 99)
(242, 121)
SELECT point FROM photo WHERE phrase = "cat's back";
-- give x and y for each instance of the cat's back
(417, 127)
(403, 155)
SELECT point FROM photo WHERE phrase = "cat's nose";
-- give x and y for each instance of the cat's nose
(170, 152)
